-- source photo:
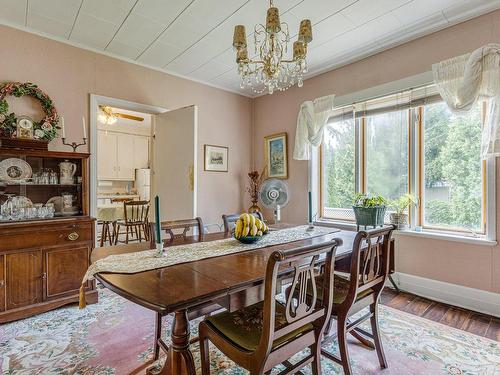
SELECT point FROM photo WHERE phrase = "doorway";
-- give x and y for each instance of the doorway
(164, 141)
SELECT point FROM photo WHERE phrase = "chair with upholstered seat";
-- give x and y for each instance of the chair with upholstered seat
(269, 333)
(230, 220)
(368, 274)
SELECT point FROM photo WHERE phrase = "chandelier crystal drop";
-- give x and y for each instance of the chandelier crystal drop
(270, 70)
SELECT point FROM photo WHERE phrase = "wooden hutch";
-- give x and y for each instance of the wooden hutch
(43, 258)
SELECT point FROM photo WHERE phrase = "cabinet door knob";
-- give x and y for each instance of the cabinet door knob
(73, 236)
(2, 283)
(44, 275)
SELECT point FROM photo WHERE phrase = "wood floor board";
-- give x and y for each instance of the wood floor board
(477, 324)
(418, 306)
(493, 331)
(466, 320)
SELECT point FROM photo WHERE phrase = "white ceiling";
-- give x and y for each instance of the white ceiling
(192, 38)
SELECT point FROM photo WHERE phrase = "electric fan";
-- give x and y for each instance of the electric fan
(274, 194)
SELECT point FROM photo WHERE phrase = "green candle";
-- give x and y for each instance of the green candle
(157, 219)
(310, 208)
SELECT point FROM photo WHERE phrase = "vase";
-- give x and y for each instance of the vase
(401, 220)
(254, 208)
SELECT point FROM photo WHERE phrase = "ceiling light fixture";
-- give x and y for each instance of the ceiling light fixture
(271, 71)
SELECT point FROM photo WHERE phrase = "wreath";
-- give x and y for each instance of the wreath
(46, 129)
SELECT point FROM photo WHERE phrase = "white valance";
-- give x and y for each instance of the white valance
(462, 80)
(312, 118)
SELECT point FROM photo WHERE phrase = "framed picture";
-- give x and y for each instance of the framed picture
(216, 158)
(276, 148)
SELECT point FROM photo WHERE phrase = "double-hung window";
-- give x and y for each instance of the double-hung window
(407, 143)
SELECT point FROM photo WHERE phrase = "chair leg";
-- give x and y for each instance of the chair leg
(342, 337)
(117, 234)
(316, 352)
(101, 243)
(126, 236)
(156, 346)
(376, 336)
(204, 352)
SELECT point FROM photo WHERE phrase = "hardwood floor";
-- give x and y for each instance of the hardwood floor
(466, 320)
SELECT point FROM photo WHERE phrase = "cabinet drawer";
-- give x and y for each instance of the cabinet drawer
(46, 235)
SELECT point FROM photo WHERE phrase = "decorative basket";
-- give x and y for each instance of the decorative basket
(369, 216)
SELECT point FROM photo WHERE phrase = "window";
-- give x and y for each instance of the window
(452, 193)
(392, 146)
(339, 169)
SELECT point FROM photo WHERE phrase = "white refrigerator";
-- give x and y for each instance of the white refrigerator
(143, 183)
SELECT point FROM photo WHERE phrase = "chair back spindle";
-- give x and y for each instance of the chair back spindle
(136, 212)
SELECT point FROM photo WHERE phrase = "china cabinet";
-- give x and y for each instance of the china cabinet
(46, 233)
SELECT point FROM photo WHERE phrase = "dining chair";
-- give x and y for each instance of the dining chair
(135, 221)
(171, 228)
(268, 333)
(369, 270)
(230, 220)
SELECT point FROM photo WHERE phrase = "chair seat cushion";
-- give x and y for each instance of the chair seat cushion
(340, 289)
(244, 327)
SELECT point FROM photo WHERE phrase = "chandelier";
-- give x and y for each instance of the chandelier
(271, 70)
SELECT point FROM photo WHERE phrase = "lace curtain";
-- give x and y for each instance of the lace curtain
(311, 121)
(463, 80)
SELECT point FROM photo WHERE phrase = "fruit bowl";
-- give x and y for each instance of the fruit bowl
(249, 239)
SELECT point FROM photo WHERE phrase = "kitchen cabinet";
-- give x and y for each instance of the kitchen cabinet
(120, 154)
(141, 152)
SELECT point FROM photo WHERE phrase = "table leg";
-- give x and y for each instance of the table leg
(179, 359)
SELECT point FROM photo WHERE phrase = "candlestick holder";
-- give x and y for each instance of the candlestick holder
(159, 250)
(74, 144)
(310, 228)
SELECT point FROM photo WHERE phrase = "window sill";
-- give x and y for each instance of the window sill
(425, 234)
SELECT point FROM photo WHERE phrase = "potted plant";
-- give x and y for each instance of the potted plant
(401, 206)
(369, 211)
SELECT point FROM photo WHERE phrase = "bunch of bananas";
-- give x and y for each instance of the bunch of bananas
(249, 225)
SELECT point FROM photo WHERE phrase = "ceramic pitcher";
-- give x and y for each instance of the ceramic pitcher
(67, 172)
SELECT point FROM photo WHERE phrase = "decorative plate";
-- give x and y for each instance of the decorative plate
(14, 169)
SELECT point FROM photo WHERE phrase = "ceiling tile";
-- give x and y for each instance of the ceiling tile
(330, 28)
(417, 10)
(112, 11)
(213, 12)
(209, 71)
(124, 49)
(159, 54)
(138, 31)
(366, 10)
(13, 11)
(49, 26)
(184, 32)
(317, 10)
(63, 11)
(161, 11)
(93, 31)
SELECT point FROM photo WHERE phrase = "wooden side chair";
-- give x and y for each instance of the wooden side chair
(368, 274)
(171, 227)
(268, 333)
(230, 220)
(135, 221)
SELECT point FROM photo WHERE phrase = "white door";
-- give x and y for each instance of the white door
(106, 149)
(175, 148)
(126, 170)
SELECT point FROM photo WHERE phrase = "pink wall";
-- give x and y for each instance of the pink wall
(69, 75)
(458, 263)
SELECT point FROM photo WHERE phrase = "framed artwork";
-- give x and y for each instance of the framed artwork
(276, 149)
(216, 158)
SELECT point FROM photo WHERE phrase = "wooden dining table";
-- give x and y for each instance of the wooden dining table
(231, 281)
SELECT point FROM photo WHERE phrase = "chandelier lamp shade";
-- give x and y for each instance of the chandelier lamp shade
(270, 69)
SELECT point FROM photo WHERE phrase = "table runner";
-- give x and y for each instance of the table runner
(145, 260)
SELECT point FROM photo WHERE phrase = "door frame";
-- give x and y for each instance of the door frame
(95, 102)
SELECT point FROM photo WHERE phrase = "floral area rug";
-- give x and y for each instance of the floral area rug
(115, 337)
